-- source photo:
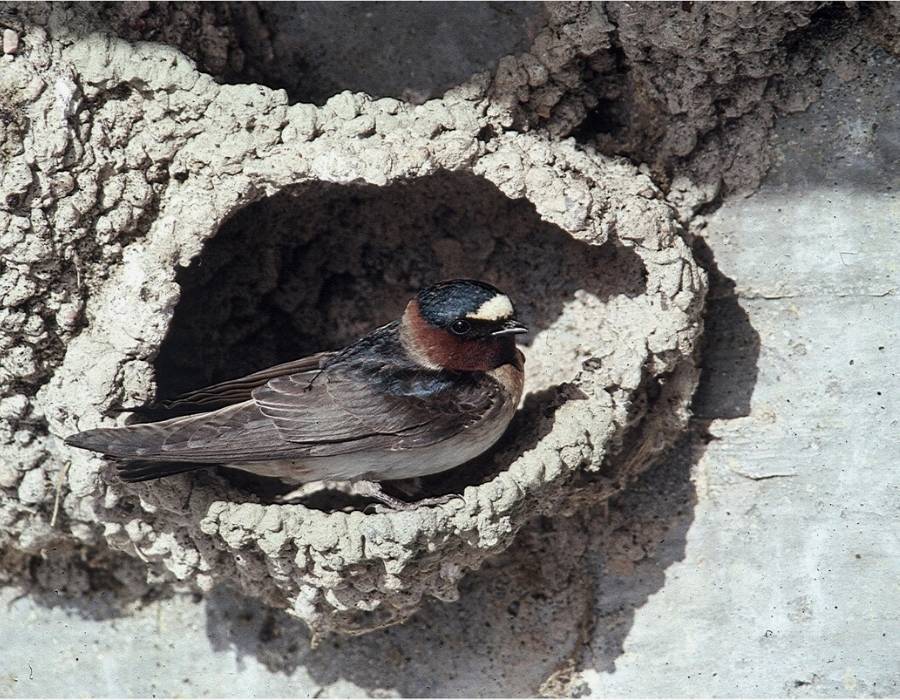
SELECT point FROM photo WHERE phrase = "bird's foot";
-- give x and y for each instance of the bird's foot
(364, 489)
(372, 489)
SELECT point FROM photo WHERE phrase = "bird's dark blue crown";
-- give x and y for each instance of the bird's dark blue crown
(445, 302)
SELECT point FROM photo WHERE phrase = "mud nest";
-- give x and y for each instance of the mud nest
(195, 231)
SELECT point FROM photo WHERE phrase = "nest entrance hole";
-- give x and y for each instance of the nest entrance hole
(319, 265)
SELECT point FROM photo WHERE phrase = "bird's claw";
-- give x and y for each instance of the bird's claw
(372, 489)
(365, 489)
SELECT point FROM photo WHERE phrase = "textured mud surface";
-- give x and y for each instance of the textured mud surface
(691, 90)
(319, 223)
(160, 229)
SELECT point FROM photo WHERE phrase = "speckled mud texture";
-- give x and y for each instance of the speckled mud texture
(161, 228)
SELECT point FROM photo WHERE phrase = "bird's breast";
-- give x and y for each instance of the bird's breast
(511, 377)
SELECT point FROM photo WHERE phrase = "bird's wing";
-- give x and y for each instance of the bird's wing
(341, 412)
(325, 413)
(236, 391)
(234, 433)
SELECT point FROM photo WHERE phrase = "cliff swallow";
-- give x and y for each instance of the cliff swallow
(417, 396)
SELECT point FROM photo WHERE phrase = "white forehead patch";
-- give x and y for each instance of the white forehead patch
(494, 309)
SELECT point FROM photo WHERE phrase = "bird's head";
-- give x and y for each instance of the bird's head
(461, 325)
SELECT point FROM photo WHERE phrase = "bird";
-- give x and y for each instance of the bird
(420, 395)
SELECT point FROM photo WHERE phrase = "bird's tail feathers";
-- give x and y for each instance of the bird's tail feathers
(133, 442)
(134, 450)
(137, 470)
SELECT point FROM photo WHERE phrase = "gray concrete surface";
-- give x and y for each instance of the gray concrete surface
(786, 579)
(764, 561)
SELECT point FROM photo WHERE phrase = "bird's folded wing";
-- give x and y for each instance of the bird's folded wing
(235, 433)
(237, 390)
(315, 415)
(340, 413)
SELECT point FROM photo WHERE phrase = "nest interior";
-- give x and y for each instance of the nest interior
(318, 265)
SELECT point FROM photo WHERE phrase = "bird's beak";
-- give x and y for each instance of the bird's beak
(511, 327)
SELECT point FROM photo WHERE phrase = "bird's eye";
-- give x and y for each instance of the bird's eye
(460, 327)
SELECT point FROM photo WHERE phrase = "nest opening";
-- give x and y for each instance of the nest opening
(318, 265)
